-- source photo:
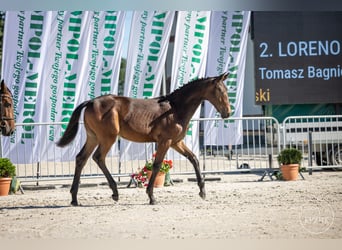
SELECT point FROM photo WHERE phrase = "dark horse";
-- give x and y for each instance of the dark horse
(163, 120)
(7, 124)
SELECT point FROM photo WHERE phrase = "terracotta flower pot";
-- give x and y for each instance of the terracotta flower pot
(290, 172)
(5, 186)
(160, 179)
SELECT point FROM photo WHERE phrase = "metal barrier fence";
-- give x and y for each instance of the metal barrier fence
(261, 139)
(318, 137)
(255, 151)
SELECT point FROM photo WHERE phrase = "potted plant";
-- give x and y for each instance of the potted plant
(289, 160)
(7, 171)
(145, 173)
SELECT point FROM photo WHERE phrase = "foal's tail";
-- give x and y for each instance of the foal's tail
(72, 128)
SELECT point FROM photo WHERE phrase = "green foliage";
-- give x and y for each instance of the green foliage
(7, 169)
(290, 156)
(122, 76)
(164, 168)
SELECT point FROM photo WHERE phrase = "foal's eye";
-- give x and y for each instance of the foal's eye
(7, 105)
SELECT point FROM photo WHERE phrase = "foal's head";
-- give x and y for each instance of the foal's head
(7, 124)
(218, 95)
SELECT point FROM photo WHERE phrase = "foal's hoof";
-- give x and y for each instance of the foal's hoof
(153, 202)
(202, 195)
(115, 197)
(74, 203)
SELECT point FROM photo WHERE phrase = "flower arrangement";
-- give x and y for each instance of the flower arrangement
(141, 175)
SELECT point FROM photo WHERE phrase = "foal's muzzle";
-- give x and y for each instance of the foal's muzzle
(225, 115)
(5, 129)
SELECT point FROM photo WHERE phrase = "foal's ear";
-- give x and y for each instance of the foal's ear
(224, 76)
(2, 87)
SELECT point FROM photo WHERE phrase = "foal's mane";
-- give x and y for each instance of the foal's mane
(185, 90)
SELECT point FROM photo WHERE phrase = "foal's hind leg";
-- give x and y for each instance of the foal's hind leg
(81, 159)
(99, 157)
(181, 148)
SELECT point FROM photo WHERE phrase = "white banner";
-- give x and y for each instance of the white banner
(189, 59)
(227, 53)
(147, 49)
(52, 61)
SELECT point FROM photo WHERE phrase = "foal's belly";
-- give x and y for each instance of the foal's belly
(135, 136)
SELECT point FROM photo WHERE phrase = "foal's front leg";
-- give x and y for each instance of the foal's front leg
(149, 189)
(162, 148)
(181, 148)
(200, 181)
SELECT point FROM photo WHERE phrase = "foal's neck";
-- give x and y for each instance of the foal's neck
(192, 97)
